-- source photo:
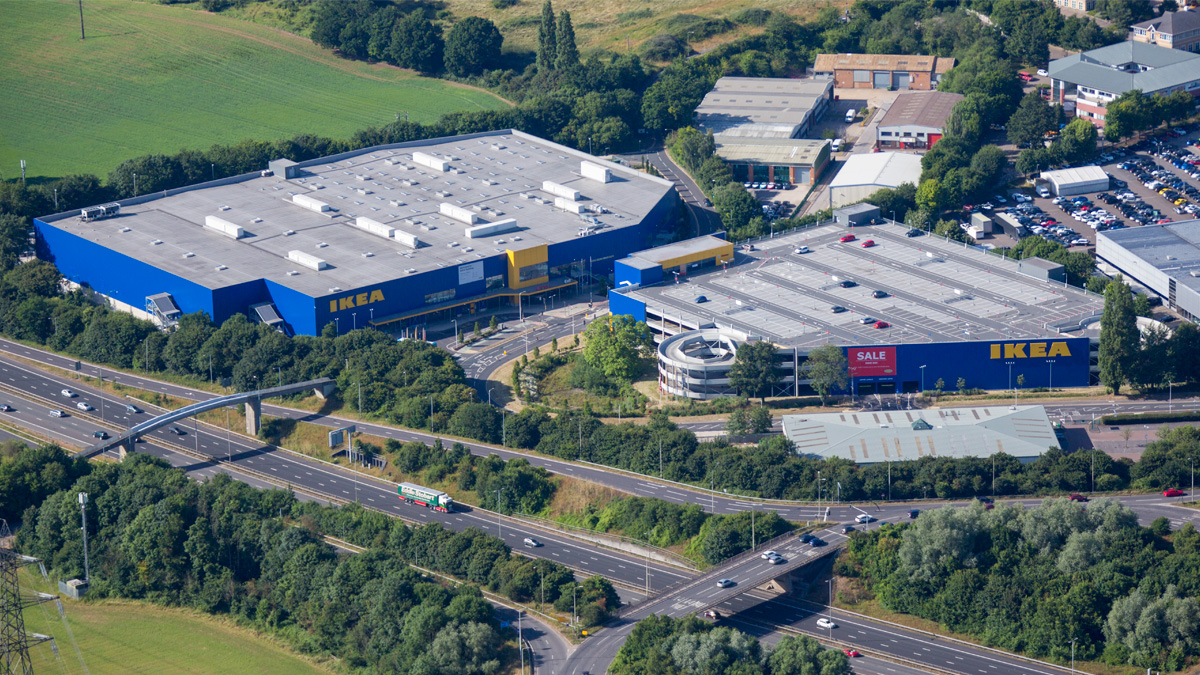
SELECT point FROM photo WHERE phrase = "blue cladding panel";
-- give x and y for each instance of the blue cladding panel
(237, 299)
(623, 304)
(985, 364)
(627, 275)
(295, 307)
(126, 279)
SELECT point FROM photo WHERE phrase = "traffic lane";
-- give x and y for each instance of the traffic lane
(865, 664)
(548, 649)
(302, 472)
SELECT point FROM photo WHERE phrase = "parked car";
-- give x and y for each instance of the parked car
(882, 324)
(826, 623)
(845, 238)
(848, 284)
(801, 249)
(879, 294)
(1042, 72)
(837, 309)
(701, 299)
(868, 243)
(1173, 492)
(867, 319)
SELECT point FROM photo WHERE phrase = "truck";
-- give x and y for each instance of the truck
(430, 499)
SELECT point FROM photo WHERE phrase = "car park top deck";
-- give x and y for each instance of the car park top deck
(933, 290)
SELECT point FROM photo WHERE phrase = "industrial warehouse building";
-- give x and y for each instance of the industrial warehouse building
(1163, 258)
(384, 236)
(882, 71)
(916, 120)
(758, 123)
(1076, 181)
(908, 311)
(1087, 82)
(1021, 431)
(865, 174)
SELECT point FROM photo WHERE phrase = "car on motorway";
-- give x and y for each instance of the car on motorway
(826, 623)
(882, 324)
(868, 243)
(777, 559)
(530, 542)
(852, 653)
(816, 542)
(867, 319)
(879, 294)
(176, 430)
(806, 537)
(846, 237)
(800, 249)
(132, 409)
(1076, 497)
(726, 583)
(84, 406)
(5, 407)
(847, 529)
(987, 502)
(712, 614)
(55, 412)
(864, 518)
(102, 434)
(914, 513)
(68, 393)
(837, 309)
(767, 555)
(1173, 492)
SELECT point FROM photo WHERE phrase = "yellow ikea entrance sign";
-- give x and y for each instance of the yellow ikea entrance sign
(1036, 350)
(352, 301)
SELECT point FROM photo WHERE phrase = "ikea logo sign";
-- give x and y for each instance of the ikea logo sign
(352, 301)
(1030, 350)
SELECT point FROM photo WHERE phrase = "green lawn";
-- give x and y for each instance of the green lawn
(152, 78)
(130, 637)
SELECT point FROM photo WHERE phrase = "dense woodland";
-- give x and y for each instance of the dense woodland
(224, 547)
(1037, 580)
(661, 645)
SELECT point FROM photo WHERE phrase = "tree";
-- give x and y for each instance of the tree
(472, 46)
(1032, 119)
(617, 345)
(735, 205)
(760, 419)
(1119, 337)
(755, 370)
(1028, 44)
(802, 655)
(1128, 114)
(547, 50)
(567, 54)
(1077, 142)
(417, 43)
(930, 195)
(827, 370)
(738, 422)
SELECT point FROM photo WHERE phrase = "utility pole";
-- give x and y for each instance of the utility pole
(83, 500)
(13, 638)
(499, 525)
(520, 642)
(81, 35)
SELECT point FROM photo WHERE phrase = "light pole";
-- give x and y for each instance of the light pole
(83, 499)
(354, 319)
(520, 643)
(490, 395)
(1010, 384)
(830, 582)
(1051, 363)
(647, 536)
(499, 525)
(1073, 654)
(923, 379)
(456, 343)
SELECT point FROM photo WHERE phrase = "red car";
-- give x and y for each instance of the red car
(882, 324)
(851, 652)
(868, 243)
(846, 238)
(1078, 498)
(1173, 492)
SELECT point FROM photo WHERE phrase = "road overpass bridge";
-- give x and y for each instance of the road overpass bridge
(124, 443)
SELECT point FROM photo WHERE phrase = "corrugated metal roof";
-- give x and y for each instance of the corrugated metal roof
(1104, 68)
(886, 169)
(920, 108)
(894, 435)
(780, 152)
(764, 107)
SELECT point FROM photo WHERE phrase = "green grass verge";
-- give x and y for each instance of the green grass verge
(1145, 418)
(156, 79)
(134, 637)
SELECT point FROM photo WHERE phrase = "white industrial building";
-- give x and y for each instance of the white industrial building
(1163, 258)
(864, 174)
(1021, 431)
(1077, 181)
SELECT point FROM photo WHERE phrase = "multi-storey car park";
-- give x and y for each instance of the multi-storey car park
(908, 310)
(384, 236)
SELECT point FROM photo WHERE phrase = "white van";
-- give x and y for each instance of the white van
(850, 115)
(837, 145)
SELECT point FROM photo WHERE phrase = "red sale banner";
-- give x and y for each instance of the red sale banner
(871, 361)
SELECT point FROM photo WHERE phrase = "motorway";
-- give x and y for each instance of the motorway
(324, 479)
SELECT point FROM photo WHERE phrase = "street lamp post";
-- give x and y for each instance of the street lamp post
(1073, 654)
(830, 582)
(923, 379)
(456, 344)
(1051, 363)
(490, 395)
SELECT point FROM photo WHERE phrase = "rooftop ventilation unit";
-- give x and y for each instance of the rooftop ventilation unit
(374, 227)
(124, 229)
(569, 205)
(189, 254)
(458, 213)
(310, 261)
(99, 212)
(430, 161)
(409, 240)
(222, 226)
(293, 273)
(156, 242)
(288, 233)
(221, 268)
(560, 190)
(595, 172)
(311, 204)
(488, 229)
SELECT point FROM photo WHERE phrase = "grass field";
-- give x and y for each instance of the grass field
(133, 637)
(151, 78)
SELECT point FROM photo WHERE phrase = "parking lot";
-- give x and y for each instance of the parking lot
(1153, 182)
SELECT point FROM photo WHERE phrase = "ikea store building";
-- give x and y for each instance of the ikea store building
(386, 236)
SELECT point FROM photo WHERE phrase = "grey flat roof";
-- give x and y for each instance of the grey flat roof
(921, 108)
(937, 291)
(886, 169)
(776, 151)
(661, 254)
(1128, 65)
(1042, 263)
(888, 436)
(496, 175)
(1173, 248)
